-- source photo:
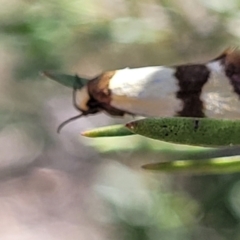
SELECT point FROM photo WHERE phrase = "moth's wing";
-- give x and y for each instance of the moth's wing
(148, 91)
(222, 92)
(153, 91)
(220, 100)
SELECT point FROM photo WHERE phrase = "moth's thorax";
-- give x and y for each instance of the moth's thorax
(81, 98)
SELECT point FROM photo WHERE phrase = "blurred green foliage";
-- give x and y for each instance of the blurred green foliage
(87, 37)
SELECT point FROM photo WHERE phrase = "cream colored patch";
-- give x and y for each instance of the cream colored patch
(218, 96)
(148, 91)
(146, 82)
(215, 66)
(161, 107)
(82, 98)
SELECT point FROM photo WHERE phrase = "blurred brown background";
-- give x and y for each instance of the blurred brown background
(68, 187)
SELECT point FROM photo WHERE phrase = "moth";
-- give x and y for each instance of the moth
(161, 91)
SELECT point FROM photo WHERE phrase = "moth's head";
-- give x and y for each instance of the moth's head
(83, 102)
(81, 97)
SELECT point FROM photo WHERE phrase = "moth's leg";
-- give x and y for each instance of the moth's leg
(68, 121)
(85, 113)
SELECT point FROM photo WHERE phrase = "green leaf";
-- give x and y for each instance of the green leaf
(204, 153)
(190, 131)
(218, 166)
(66, 80)
(109, 131)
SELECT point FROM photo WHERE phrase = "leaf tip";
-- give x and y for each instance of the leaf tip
(86, 134)
(147, 167)
(45, 74)
(130, 125)
(144, 166)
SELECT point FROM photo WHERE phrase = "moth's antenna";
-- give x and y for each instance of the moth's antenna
(76, 85)
(68, 121)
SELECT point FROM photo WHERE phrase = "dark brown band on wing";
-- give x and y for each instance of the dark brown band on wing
(191, 79)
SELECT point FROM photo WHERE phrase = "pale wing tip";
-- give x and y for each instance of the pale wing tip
(229, 52)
